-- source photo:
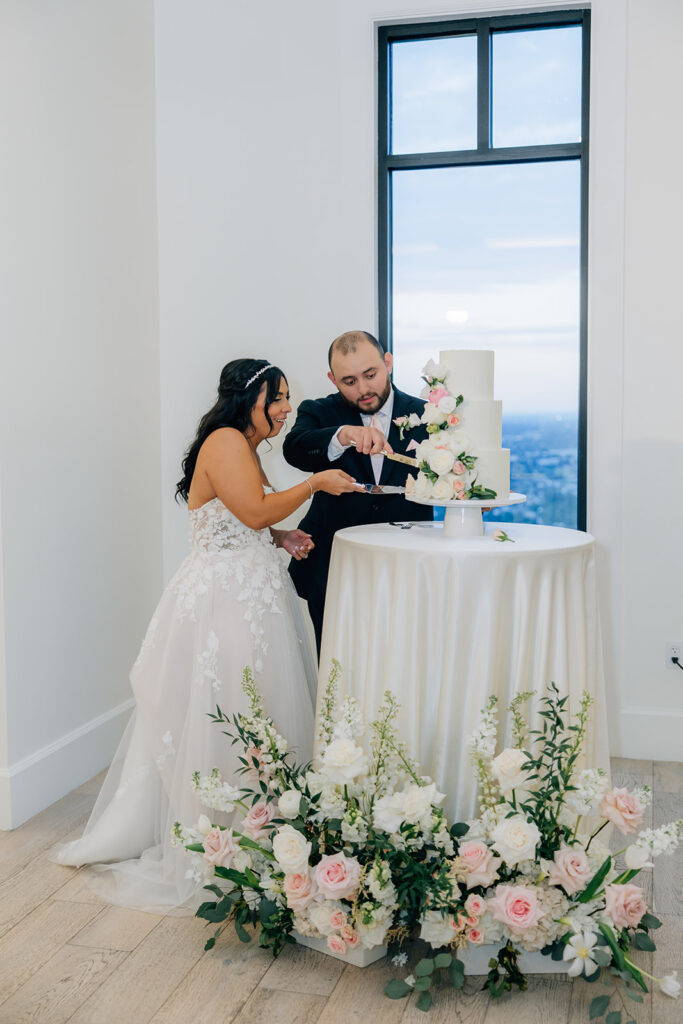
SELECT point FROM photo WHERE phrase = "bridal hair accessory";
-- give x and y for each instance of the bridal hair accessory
(257, 374)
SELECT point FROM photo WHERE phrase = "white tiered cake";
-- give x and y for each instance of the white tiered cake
(463, 457)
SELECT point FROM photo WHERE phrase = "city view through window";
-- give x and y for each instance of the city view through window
(487, 255)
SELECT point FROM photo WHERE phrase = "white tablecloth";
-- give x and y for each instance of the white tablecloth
(444, 623)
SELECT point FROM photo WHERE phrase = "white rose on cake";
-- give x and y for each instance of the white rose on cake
(423, 486)
(441, 460)
(443, 488)
(432, 414)
(437, 371)
(447, 404)
(457, 441)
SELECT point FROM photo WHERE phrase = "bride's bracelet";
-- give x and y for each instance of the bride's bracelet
(310, 485)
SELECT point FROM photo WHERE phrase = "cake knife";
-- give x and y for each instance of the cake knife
(395, 457)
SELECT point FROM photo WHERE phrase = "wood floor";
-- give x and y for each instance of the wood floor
(65, 956)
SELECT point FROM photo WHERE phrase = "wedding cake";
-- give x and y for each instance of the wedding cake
(463, 457)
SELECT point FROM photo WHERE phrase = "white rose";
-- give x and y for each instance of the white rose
(443, 488)
(432, 414)
(417, 802)
(291, 851)
(457, 441)
(447, 404)
(424, 394)
(507, 768)
(436, 929)
(423, 486)
(343, 761)
(637, 857)
(388, 812)
(414, 420)
(374, 934)
(515, 839)
(321, 913)
(289, 802)
(441, 460)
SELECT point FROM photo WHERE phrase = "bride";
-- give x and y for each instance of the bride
(231, 604)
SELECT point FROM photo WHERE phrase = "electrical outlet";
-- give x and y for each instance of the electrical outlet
(673, 650)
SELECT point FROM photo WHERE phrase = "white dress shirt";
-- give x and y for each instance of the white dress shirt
(380, 419)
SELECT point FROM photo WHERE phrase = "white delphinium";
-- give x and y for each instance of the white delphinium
(578, 950)
(214, 792)
(482, 746)
(591, 785)
(350, 723)
(643, 795)
(400, 960)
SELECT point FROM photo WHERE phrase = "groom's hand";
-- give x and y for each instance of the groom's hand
(368, 440)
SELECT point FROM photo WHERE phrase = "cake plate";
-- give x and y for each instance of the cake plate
(463, 518)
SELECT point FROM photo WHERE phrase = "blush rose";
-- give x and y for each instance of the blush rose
(338, 877)
(515, 906)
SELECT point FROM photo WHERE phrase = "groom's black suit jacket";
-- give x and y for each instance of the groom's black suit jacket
(306, 447)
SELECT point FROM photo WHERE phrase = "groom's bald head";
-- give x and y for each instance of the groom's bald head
(349, 342)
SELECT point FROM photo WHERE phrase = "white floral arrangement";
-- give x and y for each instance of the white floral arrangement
(346, 849)
(447, 466)
(533, 874)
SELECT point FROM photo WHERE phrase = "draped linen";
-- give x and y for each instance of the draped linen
(444, 623)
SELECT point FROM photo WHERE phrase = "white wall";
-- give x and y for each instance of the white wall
(266, 144)
(79, 385)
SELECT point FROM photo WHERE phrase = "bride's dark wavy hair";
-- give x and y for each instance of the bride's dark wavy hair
(236, 399)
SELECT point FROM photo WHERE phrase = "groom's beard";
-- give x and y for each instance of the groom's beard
(371, 407)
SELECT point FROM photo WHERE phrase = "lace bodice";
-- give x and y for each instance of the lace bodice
(228, 554)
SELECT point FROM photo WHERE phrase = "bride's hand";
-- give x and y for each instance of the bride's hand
(333, 481)
(297, 543)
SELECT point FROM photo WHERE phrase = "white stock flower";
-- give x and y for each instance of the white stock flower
(288, 803)
(343, 761)
(507, 769)
(291, 850)
(441, 460)
(515, 839)
(578, 950)
(670, 986)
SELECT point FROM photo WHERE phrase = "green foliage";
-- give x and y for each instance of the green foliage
(598, 1006)
(397, 988)
(643, 941)
(505, 972)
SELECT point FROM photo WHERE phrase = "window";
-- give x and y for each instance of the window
(483, 170)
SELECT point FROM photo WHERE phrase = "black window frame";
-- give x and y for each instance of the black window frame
(486, 153)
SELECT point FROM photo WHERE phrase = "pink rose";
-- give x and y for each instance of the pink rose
(255, 824)
(458, 468)
(249, 754)
(475, 905)
(458, 487)
(480, 864)
(570, 869)
(337, 919)
(625, 905)
(219, 847)
(299, 890)
(475, 936)
(623, 809)
(453, 421)
(338, 877)
(516, 906)
(350, 936)
(437, 394)
(462, 496)
(336, 944)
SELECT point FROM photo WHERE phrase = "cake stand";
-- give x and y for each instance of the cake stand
(463, 518)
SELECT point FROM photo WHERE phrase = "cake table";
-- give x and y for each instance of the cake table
(445, 622)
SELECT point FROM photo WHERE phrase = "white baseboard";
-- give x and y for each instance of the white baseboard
(31, 785)
(652, 734)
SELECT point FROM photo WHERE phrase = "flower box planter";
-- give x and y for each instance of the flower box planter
(476, 961)
(359, 957)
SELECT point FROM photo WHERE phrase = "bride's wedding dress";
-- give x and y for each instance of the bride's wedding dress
(230, 605)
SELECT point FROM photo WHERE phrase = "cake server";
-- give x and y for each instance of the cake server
(395, 457)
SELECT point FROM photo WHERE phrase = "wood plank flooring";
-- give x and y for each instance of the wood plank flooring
(67, 957)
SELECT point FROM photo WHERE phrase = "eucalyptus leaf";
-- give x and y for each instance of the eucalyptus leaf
(424, 1001)
(598, 1006)
(643, 941)
(424, 967)
(396, 988)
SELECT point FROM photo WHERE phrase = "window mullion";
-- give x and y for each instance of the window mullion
(483, 85)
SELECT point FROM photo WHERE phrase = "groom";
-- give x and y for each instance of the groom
(348, 431)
